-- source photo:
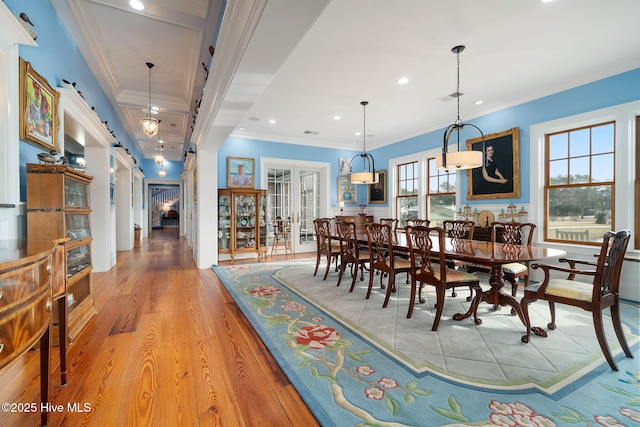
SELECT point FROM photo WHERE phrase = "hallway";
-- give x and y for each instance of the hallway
(168, 347)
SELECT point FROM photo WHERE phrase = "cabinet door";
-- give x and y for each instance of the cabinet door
(224, 220)
(78, 259)
(262, 218)
(76, 193)
(245, 220)
(77, 225)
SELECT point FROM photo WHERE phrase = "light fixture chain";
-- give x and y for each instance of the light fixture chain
(458, 86)
(364, 127)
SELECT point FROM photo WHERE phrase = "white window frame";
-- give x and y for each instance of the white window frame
(624, 115)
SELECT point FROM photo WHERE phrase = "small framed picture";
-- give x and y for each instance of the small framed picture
(38, 109)
(346, 190)
(378, 191)
(240, 172)
(344, 166)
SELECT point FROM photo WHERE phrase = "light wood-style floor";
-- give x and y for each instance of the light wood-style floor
(169, 347)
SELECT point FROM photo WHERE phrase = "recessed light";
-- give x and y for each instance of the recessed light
(241, 128)
(403, 81)
(136, 4)
(479, 102)
(358, 134)
(336, 117)
(272, 121)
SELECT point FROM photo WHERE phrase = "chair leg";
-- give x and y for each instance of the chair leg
(514, 290)
(326, 271)
(390, 288)
(617, 326)
(317, 262)
(412, 298)
(354, 274)
(343, 266)
(602, 340)
(371, 274)
(439, 307)
(552, 308)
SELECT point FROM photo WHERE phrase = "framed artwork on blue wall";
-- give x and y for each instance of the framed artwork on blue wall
(240, 172)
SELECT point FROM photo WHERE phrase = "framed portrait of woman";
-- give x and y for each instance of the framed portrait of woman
(499, 176)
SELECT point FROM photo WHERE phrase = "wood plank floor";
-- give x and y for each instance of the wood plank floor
(168, 347)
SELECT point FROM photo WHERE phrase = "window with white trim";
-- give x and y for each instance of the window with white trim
(580, 183)
(407, 192)
(441, 194)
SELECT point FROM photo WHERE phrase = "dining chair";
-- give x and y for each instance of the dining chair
(415, 222)
(595, 297)
(281, 235)
(393, 223)
(350, 252)
(459, 229)
(325, 245)
(382, 258)
(425, 271)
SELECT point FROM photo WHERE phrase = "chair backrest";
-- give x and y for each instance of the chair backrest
(416, 222)
(323, 234)
(349, 249)
(459, 229)
(380, 239)
(512, 233)
(393, 223)
(423, 263)
(281, 226)
(609, 266)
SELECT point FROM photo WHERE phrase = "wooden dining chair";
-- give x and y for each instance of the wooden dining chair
(393, 223)
(424, 271)
(459, 229)
(350, 252)
(382, 258)
(326, 246)
(415, 222)
(595, 297)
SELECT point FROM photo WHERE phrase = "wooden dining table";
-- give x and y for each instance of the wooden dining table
(493, 255)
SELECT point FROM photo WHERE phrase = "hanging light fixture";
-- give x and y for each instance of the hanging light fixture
(460, 159)
(158, 157)
(149, 124)
(368, 175)
(162, 172)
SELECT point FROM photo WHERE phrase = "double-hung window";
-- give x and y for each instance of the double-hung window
(441, 194)
(580, 184)
(407, 192)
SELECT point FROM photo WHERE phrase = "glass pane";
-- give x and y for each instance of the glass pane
(558, 172)
(407, 209)
(602, 169)
(402, 188)
(579, 142)
(602, 138)
(558, 146)
(441, 208)
(579, 214)
(75, 193)
(432, 166)
(433, 185)
(309, 182)
(224, 221)
(77, 226)
(579, 168)
(78, 259)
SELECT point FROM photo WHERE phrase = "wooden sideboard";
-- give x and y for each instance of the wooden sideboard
(27, 272)
(359, 220)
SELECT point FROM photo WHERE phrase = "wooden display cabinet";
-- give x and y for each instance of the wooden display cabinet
(242, 223)
(58, 206)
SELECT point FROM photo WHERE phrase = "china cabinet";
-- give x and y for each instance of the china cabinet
(242, 224)
(58, 207)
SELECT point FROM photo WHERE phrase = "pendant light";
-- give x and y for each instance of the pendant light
(158, 157)
(368, 175)
(162, 173)
(149, 124)
(459, 159)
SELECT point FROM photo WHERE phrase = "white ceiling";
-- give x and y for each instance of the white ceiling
(309, 60)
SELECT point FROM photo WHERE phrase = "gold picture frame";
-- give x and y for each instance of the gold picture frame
(499, 177)
(240, 172)
(377, 193)
(38, 109)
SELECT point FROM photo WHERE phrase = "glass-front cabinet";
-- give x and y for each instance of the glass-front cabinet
(242, 225)
(58, 207)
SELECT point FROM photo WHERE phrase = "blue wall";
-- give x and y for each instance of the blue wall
(56, 58)
(615, 90)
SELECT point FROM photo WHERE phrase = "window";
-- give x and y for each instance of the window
(407, 193)
(441, 194)
(580, 184)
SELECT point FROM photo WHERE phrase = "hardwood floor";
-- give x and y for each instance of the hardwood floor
(168, 347)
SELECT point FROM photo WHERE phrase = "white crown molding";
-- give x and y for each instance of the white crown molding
(12, 31)
(73, 104)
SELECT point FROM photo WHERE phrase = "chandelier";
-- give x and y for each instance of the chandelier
(368, 175)
(460, 159)
(149, 124)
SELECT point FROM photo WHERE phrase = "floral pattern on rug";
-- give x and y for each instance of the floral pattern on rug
(362, 382)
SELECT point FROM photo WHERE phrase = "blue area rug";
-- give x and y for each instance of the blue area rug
(347, 380)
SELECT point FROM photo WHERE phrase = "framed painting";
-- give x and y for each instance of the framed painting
(378, 191)
(346, 190)
(344, 166)
(38, 109)
(499, 177)
(240, 172)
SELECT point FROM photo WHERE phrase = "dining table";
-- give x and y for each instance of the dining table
(492, 254)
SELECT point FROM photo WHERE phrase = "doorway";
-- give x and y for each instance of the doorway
(299, 193)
